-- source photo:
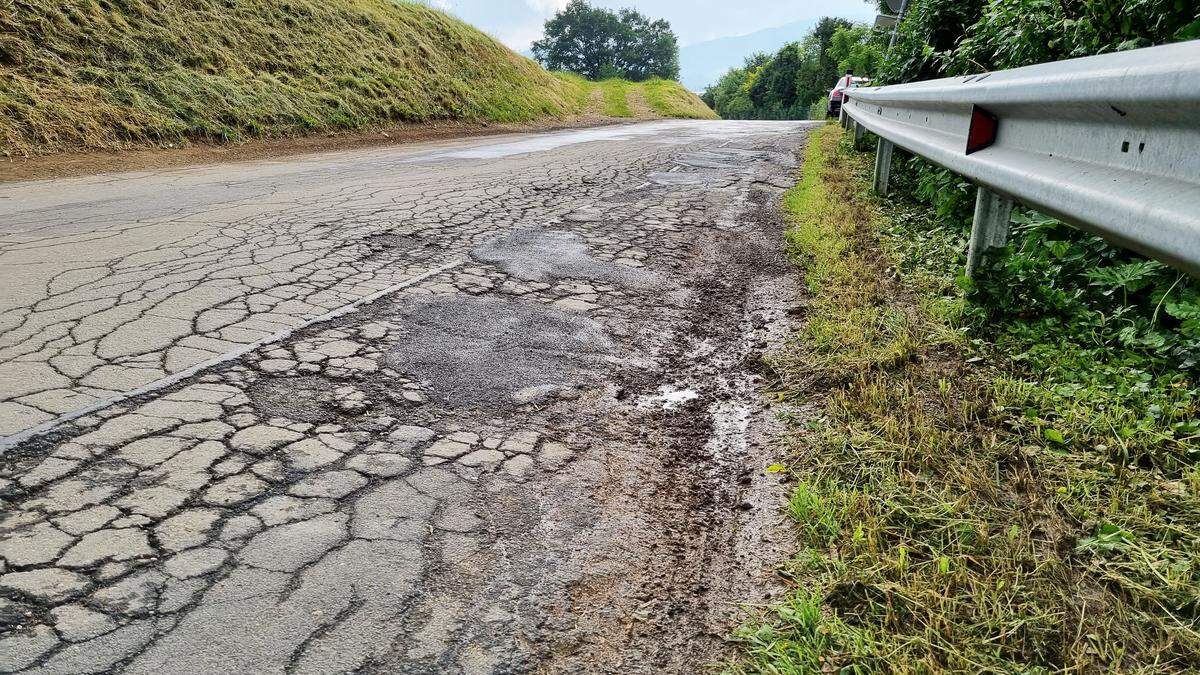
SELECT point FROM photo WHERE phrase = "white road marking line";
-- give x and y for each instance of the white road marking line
(8, 442)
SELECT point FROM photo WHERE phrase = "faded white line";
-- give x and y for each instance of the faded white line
(8, 442)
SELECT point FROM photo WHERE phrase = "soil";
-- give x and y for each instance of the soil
(716, 515)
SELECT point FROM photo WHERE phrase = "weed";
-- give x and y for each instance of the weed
(987, 490)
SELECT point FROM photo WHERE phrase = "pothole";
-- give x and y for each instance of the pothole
(725, 160)
(499, 352)
(304, 399)
(546, 255)
(687, 179)
(390, 241)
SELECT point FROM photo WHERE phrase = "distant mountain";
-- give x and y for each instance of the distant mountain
(703, 63)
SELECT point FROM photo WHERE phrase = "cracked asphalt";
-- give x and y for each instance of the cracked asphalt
(467, 406)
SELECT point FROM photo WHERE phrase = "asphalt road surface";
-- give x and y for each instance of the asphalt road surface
(470, 406)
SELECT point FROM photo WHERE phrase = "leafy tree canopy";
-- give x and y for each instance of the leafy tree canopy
(597, 43)
(956, 37)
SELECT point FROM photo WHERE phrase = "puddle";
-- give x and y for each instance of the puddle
(730, 160)
(548, 255)
(553, 140)
(499, 352)
(668, 398)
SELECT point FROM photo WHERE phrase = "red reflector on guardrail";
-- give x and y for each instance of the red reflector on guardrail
(982, 132)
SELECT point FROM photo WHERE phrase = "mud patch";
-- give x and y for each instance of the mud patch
(547, 255)
(668, 398)
(304, 399)
(498, 352)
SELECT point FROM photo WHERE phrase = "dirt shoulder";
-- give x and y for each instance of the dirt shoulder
(66, 165)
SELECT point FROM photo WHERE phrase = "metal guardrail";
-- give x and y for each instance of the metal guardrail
(1109, 144)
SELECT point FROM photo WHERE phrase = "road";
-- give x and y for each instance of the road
(468, 406)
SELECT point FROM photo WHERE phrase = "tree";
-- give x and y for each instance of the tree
(820, 70)
(597, 43)
(775, 87)
(649, 48)
(858, 49)
(785, 85)
(730, 96)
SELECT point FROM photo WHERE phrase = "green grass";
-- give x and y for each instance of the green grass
(671, 99)
(89, 74)
(616, 97)
(940, 527)
(662, 98)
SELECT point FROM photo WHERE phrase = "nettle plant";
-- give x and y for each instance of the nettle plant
(1109, 333)
(1092, 291)
(1111, 338)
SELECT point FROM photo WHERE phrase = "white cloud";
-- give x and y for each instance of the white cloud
(519, 38)
(546, 7)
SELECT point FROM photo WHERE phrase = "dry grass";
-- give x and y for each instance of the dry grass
(91, 74)
(937, 532)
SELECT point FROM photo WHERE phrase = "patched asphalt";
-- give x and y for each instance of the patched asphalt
(481, 406)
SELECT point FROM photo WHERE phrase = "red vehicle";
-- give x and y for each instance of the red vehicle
(838, 93)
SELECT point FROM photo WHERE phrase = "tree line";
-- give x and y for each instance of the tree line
(787, 84)
(940, 38)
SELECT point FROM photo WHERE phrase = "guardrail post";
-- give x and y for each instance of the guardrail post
(860, 132)
(990, 228)
(883, 166)
(843, 118)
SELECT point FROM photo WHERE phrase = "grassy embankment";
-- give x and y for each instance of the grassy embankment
(622, 98)
(981, 491)
(90, 74)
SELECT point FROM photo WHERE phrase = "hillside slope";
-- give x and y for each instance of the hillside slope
(642, 100)
(91, 74)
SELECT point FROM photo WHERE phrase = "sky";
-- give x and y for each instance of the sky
(517, 23)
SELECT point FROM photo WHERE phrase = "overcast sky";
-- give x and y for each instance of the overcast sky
(519, 22)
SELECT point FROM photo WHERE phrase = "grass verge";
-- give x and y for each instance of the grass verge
(954, 512)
